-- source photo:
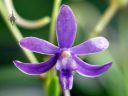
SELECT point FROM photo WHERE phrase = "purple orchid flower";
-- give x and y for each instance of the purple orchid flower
(64, 56)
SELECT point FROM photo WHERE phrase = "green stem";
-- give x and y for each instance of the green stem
(53, 20)
(31, 24)
(15, 32)
(56, 6)
(105, 19)
(52, 73)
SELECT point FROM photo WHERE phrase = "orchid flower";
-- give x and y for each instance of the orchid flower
(64, 57)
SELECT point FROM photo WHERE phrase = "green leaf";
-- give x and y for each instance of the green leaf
(54, 87)
(113, 78)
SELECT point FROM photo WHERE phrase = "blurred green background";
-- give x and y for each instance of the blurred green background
(88, 12)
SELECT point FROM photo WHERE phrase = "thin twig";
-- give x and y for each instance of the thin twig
(105, 19)
(32, 24)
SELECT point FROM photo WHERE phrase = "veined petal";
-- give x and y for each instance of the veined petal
(88, 70)
(36, 69)
(66, 81)
(66, 27)
(91, 46)
(38, 45)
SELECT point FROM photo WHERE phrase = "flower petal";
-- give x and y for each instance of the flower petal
(91, 46)
(88, 70)
(36, 69)
(38, 45)
(66, 81)
(66, 27)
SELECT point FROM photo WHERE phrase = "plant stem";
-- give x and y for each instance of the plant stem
(52, 73)
(15, 32)
(31, 24)
(106, 17)
(66, 93)
(52, 29)
(53, 20)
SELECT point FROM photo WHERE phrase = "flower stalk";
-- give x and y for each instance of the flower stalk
(52, 73)
(105, 19)
(53, 20)
(67, 93)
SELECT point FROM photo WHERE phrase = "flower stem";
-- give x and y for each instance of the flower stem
(15, 32)
(67, 93)
(52, 73)
(106, 17)
(52, 29)
(53, 20)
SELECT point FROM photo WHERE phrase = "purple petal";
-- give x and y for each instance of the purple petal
(66, 81)
(38, 45)
(66, 27)
(91, 46)
(36, 69)
(88, 70)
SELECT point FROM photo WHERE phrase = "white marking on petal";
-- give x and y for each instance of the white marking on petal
(64, 82)
(74, 65)
(100, 42)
